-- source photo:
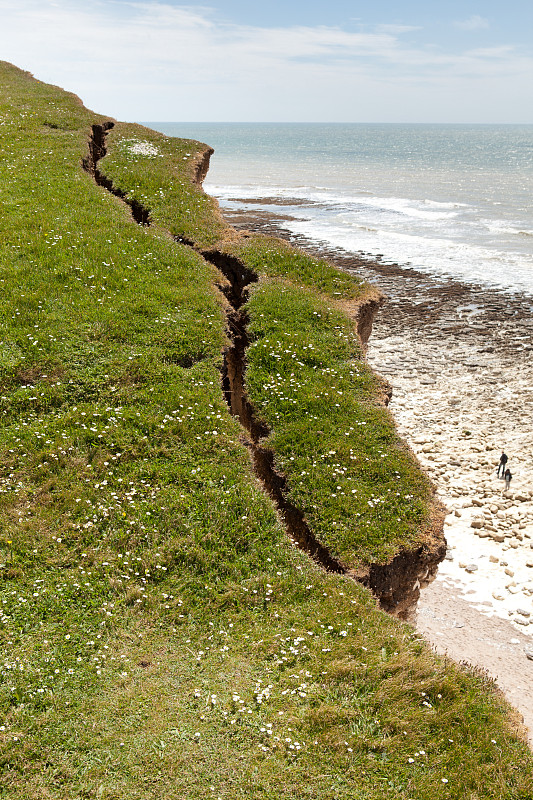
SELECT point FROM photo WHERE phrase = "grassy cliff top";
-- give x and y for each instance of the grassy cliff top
(362, 493)
(161, 635)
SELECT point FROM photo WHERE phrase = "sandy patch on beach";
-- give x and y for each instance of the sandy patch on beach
(455, 628)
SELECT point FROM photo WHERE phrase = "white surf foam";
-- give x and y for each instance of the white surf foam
(433, 236)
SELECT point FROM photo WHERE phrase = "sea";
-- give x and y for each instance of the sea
(448, 200)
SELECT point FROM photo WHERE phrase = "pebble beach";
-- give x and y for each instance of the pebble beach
(462, 391)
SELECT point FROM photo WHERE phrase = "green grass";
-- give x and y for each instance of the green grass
(143, 569)
(362, 493)
(161, 179)
(278, 259)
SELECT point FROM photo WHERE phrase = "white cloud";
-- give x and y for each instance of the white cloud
(155, 60)
(473, 23)
(397, 29)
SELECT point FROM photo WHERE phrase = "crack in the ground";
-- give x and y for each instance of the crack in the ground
(239, 277)
(97, 150)
(396, 584)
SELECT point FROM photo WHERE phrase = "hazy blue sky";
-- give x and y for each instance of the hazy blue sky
(281, 60)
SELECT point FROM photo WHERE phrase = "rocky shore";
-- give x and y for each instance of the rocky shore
(459, 399)
(458, 359)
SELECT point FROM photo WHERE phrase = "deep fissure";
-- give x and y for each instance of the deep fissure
(396, 584)
(97, 150)
(239, 278)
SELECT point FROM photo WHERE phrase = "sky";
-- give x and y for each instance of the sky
(453, 61)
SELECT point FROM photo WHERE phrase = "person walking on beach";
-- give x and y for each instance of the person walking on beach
(501, 465)
(507, 475)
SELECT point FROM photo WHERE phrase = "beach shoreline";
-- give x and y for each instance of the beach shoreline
(456, 357)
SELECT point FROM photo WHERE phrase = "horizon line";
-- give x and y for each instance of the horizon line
(314, 122)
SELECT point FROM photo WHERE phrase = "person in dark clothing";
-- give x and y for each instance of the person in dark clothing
(501, 465)
(507, 475)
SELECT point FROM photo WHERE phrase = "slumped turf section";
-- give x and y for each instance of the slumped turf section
(160, 636)
(360, 490)
(363, 495)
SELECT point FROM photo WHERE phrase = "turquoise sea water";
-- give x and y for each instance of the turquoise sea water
(447, 199)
